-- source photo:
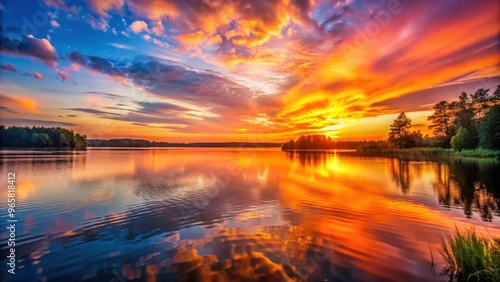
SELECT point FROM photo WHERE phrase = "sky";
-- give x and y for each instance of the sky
(241, 70)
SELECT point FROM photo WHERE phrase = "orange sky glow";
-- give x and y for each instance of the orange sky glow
(264, 71)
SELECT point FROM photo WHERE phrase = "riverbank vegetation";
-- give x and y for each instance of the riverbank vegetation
(469, 256)
(41, 137)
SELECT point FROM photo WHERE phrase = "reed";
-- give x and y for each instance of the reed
(469, 256)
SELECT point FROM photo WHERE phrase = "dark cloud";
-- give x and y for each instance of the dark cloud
(91, 111)
(146, 114)
(8, 67)
(30, 47)
(159, 107)
(60, 5)
(168, 80)
(72, 116)
(77, 58)
(6, 109)
(105, 94)
(34, 122)
(97, 93)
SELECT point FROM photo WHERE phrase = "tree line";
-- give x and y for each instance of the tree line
(127, 142)
(41, 137)
(472, 121)
(322, 142)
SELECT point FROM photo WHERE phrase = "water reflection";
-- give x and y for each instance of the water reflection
(472, 185)
(226, 215)
(400, 170)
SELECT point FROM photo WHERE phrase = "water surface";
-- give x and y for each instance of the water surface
(233, 214)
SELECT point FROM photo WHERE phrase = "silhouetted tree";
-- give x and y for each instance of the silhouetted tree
(442, 122)
(399, 132)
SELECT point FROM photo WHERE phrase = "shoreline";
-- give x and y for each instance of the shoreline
(412, 153)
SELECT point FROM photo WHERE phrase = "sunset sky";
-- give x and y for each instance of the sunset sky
(241, 70)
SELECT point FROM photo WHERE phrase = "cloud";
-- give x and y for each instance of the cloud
(63, 75)
(54, 24)
(6, 109)
(168, 79)
(36, 75)
(159, 107)
(102, 7)
(75, 67)
(20, 103)
(255, 21)
(104, 94)
(8, 67)
(30, 47)
(97, 23)
(121, 46)
(59, 4)
(91, 111)
(139, 26)
(77, 58)
(141, 115)
(192, 39)
(35, 122)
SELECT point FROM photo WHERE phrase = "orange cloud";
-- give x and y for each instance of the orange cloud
(19, 103)
(103, 6)
(192, 39)
(75, 67)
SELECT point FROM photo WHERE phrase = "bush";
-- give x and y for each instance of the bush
(462, 140)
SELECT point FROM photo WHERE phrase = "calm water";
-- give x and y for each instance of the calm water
(227, 214)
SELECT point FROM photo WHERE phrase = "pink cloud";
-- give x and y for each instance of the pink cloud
(38, 75)
(75, 67)
(63, 74)
(103, 6)
(55, 24)
(139, 26)
(30, 47)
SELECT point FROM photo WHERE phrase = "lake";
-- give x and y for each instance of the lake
(169, 214)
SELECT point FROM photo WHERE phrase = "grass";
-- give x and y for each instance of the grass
(469, 256)
(431, 152)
